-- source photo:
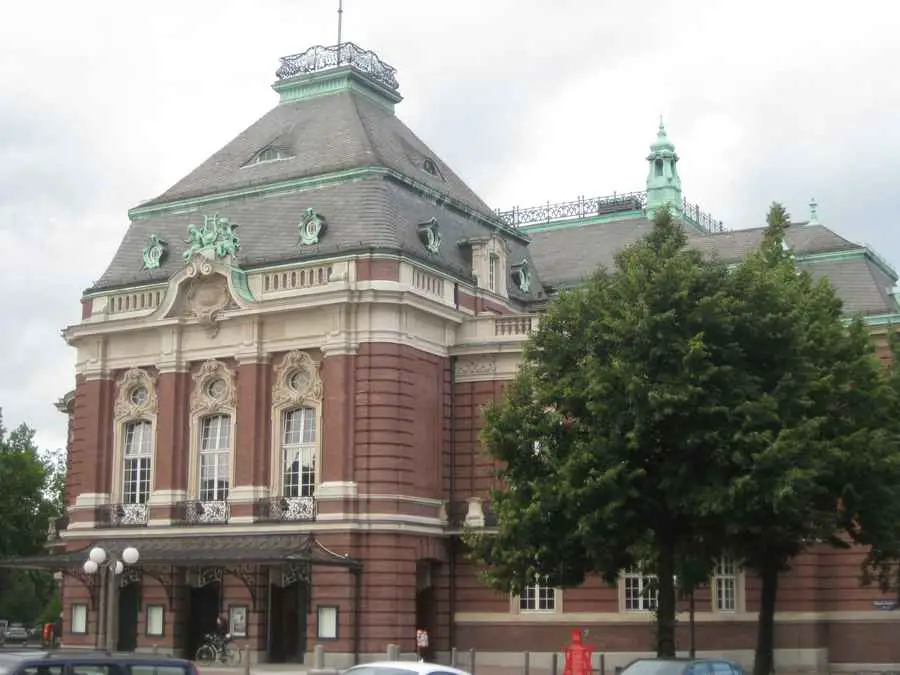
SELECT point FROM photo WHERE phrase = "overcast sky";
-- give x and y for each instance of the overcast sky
(105, 104)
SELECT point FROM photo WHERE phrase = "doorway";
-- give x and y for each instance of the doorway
(203, 608)
(129, 609)
(288, 612)
(426, 605)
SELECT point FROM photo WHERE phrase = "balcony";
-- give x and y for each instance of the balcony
(286, 509)
(203, 513)
(497, 329)
(122, 515)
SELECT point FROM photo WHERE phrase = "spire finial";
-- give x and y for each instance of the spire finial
(340, 21)
(813, 212)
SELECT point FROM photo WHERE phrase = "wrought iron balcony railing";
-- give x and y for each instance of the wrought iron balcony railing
(286, 509)
(203, 512)
(123, 515)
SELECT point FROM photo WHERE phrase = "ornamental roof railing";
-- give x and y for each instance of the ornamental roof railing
(321, 58)
(701, 219)
(583, 207)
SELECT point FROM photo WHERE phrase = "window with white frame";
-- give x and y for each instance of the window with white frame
(215, 456)
(725, 578)
(537, 597)
(493, 264)
(640, 590)
(298, 452)
(137, 462)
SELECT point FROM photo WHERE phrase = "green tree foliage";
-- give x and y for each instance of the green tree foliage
(31, 495)
(628, 388)
(673, 411)
(816, 452)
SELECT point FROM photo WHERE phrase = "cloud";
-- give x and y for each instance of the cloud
(529, 101)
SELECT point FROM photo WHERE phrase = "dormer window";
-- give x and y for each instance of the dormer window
(269, 154)
(521, 276)
(430, 235)
(430, 167)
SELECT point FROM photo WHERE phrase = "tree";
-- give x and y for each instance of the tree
(816, 450)
(30, 498)
(615, 423)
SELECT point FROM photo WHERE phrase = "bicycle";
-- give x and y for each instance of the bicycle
(217, 649)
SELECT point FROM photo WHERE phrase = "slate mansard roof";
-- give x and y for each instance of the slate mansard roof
(567, 255)
(342, 153)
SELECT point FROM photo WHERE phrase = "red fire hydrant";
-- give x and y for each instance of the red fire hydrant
(578, 656)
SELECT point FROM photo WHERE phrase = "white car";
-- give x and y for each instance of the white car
(403, 668)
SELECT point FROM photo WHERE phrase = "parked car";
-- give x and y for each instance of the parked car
(403, 668)
(683, 667)
(67, 662)
(16, 634)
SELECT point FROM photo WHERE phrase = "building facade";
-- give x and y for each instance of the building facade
(278, 391)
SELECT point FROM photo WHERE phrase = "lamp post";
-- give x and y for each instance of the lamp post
(109, 567)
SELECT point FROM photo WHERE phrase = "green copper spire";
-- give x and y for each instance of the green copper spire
(663, 182)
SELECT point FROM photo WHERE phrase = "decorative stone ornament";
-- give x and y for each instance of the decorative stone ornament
(521, 275)
(136, 395)
(214, 389)
(296, 380)
(430, 235)
(155, 252)
(312, 228)
(216, 239)
(204, 301)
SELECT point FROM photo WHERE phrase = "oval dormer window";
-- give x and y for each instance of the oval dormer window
(430, 167)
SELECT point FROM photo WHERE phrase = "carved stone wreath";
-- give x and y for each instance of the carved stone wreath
(214, 389)
(136, 395)
(296, 380)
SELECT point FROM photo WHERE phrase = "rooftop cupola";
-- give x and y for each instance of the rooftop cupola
(663, 183)
(320, 71)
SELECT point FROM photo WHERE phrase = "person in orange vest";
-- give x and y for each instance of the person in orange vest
(578, 656)
(47, 634)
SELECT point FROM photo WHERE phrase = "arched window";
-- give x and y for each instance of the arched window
(215, 458)
(137, 462)
(299, 447)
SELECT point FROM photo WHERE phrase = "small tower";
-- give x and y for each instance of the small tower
(663, 183)
(813, 212)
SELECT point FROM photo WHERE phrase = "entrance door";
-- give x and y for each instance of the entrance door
(129, 607)
(288, 610)
(203, 608)
(426, 605)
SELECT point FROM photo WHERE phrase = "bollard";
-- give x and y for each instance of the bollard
(319, 657)
(393, 652)
(453, 658)
(602, 664)
(527, 663)
(554, 665)
(472, 660)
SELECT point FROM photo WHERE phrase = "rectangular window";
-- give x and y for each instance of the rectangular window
(298, 453)
(640, 591)
(725, 585)
(215, 451)
(78, 624)
(538, 597)
(138, 456)
(492, 272)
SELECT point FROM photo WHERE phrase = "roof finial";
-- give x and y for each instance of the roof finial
(340, 21)
(813, 212)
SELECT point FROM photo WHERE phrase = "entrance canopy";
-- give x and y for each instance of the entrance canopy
(265, 549)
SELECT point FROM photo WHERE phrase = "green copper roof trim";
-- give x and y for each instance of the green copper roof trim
(190, 204)
(878, 319)
(634, 214)
(241, 284)
(328, 82)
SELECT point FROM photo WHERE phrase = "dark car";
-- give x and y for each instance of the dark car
(80, 662)
(683, 667)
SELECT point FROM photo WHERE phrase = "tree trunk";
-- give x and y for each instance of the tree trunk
(665, 608)
(764, 661)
